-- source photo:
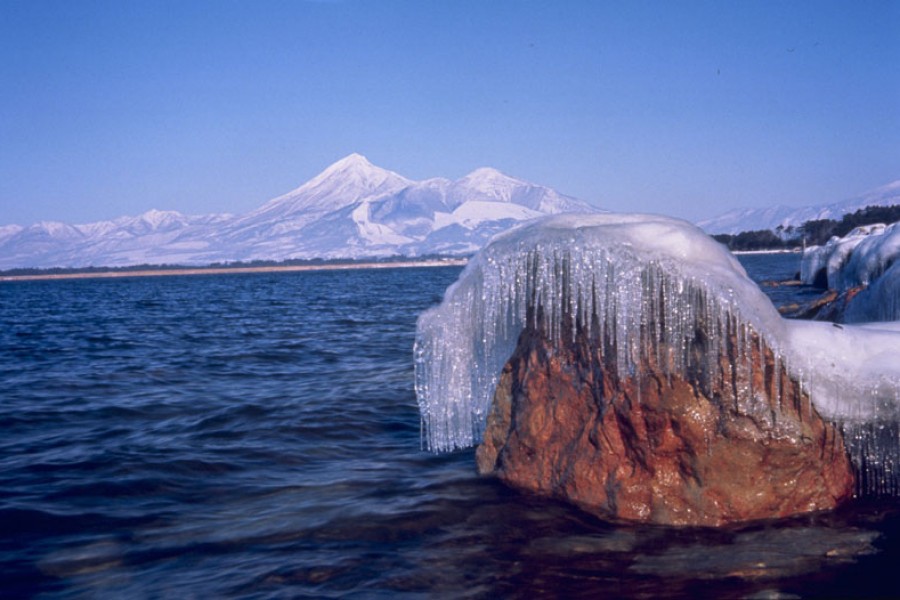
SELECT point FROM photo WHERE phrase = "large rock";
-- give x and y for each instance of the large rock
(664, 448)
(648, 378)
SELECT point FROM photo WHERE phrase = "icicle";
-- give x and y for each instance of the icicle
(643, 286)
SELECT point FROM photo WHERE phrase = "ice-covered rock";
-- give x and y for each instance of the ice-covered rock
(866, 258)
(659, 303)
(881, 300)
(830, 263)
(614, 272)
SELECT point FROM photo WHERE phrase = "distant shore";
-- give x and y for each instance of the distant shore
(179, 271)
(449, 262)
(770, 251)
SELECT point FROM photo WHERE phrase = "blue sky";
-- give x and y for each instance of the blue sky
(683, 108)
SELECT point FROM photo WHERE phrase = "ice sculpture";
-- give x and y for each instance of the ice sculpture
(638, 282)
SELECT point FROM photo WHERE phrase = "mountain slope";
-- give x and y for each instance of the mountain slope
(349, 180)
(352, 209)
(753, 219)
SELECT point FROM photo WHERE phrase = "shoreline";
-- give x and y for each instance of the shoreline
(772, 251)
(450, 262)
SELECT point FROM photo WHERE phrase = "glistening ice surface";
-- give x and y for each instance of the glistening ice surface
(867, 256)
(641, 283)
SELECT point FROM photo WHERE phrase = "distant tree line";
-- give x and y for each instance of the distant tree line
(814, 232)
(291, 262)
(760, 239)
(91, 269)
(821, 230)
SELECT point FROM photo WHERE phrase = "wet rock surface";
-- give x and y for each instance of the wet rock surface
(649, 446)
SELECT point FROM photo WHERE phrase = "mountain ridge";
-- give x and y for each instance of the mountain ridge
(770, 218)
(351, 210)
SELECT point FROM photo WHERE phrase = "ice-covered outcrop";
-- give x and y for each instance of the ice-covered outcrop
(865, 261)
(655, 302)
(614, 272)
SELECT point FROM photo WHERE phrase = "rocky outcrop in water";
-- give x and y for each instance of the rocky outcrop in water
(862, 272)
(659, 447)
(627, 363)
(830, 306)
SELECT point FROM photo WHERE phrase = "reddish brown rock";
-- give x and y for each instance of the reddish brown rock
(679, 450)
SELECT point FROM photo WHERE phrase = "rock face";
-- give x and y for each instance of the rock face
(663, 448)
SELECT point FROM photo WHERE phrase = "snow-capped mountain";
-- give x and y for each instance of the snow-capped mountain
(352, 209)
(753, 219)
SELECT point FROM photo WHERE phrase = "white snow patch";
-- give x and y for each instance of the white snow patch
(474, 212)
(376, 233)
(851, 371)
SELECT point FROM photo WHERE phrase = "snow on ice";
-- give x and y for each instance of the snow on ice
(617, 273)
(867, 256)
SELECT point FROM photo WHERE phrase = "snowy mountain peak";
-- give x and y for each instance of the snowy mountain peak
(357, 169)
(353, 159)
(488, 174)
(352, 163)
(485, 184)
(347, 181)
(352, 209)
(488, 178)
(156, 218)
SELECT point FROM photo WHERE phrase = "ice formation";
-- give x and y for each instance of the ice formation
(867, 256)
(852, 373)
(615, 271)
(638, 281)
(832, 257)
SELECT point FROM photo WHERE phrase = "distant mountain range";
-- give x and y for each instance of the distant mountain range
(352, 209)
(753, 219)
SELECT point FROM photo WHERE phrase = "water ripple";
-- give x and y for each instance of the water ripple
(257, 436)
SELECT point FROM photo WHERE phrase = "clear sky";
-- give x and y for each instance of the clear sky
(684, 108)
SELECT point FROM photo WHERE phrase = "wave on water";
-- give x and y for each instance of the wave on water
(258, 436)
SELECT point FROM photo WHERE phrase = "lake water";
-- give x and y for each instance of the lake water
(257, 436)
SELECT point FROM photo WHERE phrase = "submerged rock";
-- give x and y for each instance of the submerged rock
(830, 306)
(657, 447)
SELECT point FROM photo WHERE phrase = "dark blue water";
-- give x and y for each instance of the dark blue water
(256, 436)
(777, 268)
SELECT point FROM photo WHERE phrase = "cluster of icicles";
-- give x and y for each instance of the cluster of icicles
(569, 279)
(637, 286)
